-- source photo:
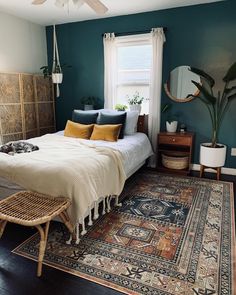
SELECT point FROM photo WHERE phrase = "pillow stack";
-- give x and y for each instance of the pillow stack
(111, 119)
(105, 125)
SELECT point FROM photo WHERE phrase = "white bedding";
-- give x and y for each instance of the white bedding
(135, 149)
(65, 166)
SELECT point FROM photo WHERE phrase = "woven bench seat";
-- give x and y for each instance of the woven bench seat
(33, 209)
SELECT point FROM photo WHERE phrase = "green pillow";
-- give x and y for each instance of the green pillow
(84, 117)
(113, 119)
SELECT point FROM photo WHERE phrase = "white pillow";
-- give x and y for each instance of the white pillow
(131, 122)
(91, 111)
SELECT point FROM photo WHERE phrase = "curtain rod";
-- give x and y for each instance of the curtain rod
(135, 32)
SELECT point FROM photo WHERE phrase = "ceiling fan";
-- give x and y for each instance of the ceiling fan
(96, 5)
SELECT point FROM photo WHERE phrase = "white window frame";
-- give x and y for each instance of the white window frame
(131, 40)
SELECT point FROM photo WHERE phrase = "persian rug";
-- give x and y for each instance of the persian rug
(172, 235)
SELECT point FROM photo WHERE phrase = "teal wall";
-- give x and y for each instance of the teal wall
(202, 36)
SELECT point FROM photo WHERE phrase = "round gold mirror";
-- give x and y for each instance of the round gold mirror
(179, 87)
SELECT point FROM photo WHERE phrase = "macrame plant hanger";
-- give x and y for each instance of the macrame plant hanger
(56, 66)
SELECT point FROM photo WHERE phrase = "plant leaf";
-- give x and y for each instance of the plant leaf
(203, 99)
(165, 108)
(231, 97)
(210, 98)
(203, 74)
(228, 90)
(231, 74)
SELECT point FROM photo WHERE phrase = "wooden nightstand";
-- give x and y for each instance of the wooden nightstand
(172, 144)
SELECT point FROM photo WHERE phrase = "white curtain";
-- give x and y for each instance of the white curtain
(109, 70)
(157, 39)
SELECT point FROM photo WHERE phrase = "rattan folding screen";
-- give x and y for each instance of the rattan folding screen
(26, 106)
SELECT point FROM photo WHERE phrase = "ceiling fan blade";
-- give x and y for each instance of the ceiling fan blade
(38, 2)
(78, 3)
(97, 6)
(61, 3)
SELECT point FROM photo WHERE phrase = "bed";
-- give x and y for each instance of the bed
(35, 171)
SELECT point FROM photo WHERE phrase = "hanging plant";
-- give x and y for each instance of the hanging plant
(56, 72)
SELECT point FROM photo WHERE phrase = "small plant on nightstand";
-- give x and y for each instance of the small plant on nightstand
(171, 122)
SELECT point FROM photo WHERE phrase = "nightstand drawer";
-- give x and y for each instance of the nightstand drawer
(175, 139)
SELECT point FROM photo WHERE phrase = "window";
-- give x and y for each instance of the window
(134, 58)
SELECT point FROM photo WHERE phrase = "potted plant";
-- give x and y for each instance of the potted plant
(120, 107)
(56, 74)
(88, 102)
(213, 154)
(171, 122)
(135, 102)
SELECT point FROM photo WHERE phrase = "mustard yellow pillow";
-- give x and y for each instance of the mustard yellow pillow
(78, 130)
(106, 132)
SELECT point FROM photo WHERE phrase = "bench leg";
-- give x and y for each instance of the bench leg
(65, 218)
(42, 245)
(3, 224)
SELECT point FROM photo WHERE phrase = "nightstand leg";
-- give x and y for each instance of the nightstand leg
(201, 170)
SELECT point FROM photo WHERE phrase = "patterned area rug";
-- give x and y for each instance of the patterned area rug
(172, 235)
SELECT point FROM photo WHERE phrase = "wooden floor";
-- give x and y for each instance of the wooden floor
(18, 274)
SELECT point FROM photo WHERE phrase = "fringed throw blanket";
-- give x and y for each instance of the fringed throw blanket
(67, 167)
(18, 147)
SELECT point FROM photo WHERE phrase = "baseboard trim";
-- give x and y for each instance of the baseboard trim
(224, 170)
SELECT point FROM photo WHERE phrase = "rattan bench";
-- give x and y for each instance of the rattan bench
(33, 209)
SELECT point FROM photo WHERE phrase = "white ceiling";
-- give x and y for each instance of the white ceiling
(48, 13)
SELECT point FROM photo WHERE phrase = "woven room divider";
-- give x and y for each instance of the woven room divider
(27, 107)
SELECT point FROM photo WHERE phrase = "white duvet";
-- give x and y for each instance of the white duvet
(69, 167)
(135, 149)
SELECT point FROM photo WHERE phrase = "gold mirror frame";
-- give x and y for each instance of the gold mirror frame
(181, 100)
(187, 99)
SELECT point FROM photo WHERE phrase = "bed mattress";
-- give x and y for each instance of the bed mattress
(135, 149)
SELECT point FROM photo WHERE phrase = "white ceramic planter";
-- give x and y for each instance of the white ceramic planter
(172, 126)
(57, 78)
(212, 157)
(135, 107)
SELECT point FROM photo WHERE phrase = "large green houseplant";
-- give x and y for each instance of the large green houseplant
(217, 105)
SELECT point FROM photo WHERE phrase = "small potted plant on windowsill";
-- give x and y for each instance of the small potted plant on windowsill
(135, 102)
(171, 121)
(120, 107)
(89, 102)
(213, 154)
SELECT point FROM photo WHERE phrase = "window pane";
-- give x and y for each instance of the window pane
(133, 73)
(134, 57)
(134, 76)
